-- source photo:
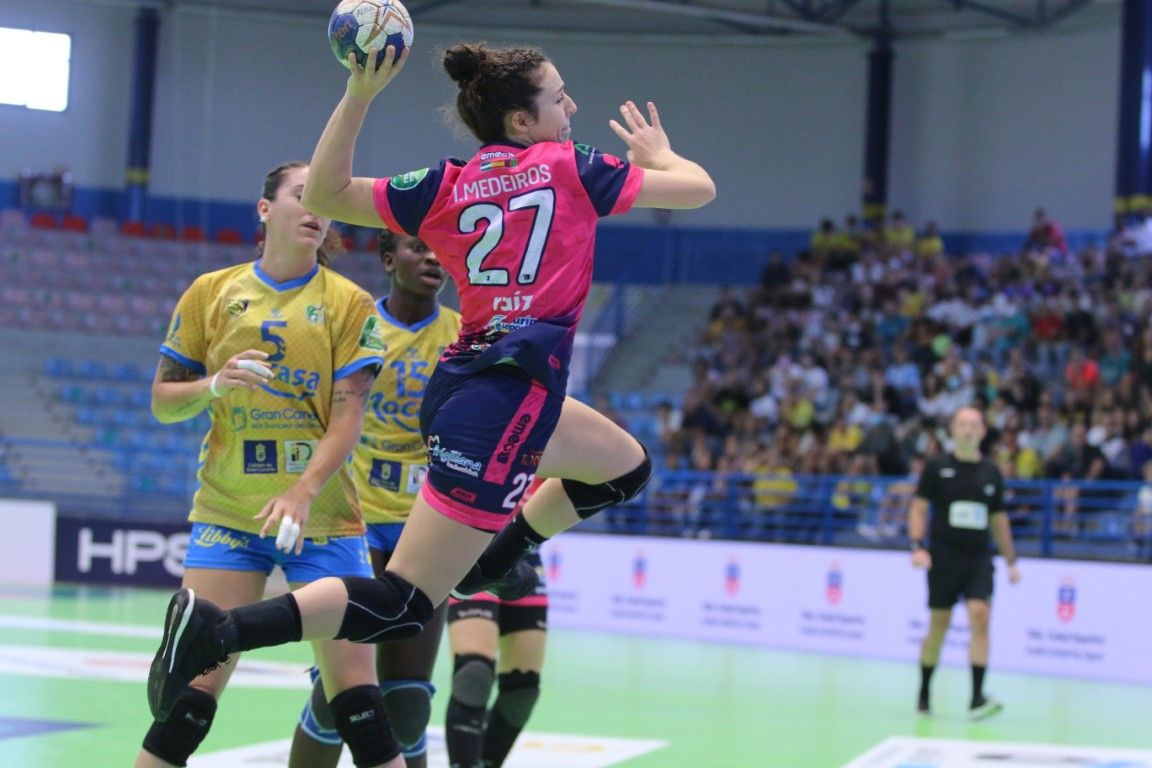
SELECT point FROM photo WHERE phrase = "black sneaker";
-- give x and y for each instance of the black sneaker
(922, 706)
(190, 647)
(983, 708)
(520, 582)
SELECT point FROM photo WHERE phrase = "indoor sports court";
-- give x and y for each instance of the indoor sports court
(73, 662)
(921, 207)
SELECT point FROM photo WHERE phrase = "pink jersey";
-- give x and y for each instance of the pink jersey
(516, 228)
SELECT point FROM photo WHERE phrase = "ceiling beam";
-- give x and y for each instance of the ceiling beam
(761, 21)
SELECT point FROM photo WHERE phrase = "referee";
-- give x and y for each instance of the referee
(966, 493)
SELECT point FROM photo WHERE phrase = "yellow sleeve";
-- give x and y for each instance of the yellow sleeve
(359, 341)
(187, 339)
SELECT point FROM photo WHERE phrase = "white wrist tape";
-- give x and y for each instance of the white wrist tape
(212, 385)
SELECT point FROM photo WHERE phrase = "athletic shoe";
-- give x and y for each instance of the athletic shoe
(190, 647)
(922, 706)
(520, 582)
(983, 708)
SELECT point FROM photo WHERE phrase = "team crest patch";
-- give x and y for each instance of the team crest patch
(385, 474)
(237, 307)
(371, 336)
(408, 180)
(260, 457)
(314, 313)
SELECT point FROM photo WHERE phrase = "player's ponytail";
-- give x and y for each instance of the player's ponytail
(492, 83)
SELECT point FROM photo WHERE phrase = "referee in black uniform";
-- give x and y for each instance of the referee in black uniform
(966, 493)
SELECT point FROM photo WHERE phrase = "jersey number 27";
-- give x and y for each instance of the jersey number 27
(543, 201)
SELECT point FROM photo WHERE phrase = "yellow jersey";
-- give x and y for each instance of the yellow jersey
(391, 460)
(317, 329)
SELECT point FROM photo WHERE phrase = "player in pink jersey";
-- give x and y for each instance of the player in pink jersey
(515, 226)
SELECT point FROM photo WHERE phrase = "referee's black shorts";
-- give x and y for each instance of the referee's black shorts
(951, 578)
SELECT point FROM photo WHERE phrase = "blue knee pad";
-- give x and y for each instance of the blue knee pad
(409, 705)
(316, 717)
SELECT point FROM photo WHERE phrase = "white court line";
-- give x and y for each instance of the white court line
(81, 627)
(533, 749)
(912, 752)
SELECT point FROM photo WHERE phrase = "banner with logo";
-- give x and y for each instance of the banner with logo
(1065, 617)
(121, 553)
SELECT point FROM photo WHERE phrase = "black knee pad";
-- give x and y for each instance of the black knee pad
(409, 708)
(518, 694)
(383, 609)
(590, 499)
(362, 722)
(175, 739)
(472, 679)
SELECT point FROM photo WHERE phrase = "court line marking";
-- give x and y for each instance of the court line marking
(916, 752)
(81, 627)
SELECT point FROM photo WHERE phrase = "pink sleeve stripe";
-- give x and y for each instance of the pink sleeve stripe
(631, 190)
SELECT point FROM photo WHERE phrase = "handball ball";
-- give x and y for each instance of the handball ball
(357, 25)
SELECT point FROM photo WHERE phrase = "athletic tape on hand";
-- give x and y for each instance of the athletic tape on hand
(289, 532)
(257, 368)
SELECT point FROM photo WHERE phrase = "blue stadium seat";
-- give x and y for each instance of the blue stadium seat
(91, 369)
(58, 367)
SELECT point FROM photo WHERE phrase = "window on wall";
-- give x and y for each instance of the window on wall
(34, 68)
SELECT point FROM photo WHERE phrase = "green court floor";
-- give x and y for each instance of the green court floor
(73, 663)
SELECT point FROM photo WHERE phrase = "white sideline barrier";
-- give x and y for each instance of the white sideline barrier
(28, 543)
(1066, 617)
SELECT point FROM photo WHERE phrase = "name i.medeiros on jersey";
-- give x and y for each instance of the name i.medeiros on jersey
(531, 176)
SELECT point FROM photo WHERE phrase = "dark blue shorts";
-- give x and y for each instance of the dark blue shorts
(485, 434)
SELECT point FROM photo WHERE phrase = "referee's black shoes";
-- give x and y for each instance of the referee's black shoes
(191, 646)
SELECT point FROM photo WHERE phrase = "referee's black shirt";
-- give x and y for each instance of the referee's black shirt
(964, 495)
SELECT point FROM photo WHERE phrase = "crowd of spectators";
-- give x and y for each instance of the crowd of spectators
(850, 358)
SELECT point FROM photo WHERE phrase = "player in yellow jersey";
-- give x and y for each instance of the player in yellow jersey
(282, 352)
(390, 463)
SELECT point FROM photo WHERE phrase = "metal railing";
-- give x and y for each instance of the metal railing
(1065, 519)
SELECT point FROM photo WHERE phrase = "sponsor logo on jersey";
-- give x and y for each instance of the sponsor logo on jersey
(989, 489)
(494, 165)
(239, 418)
(385, 474)
(371, 336)
(409, 179)
(314, 313)
(947, 472)
(260, 457)
(297, 454)
(499, 325)
(513, 303)
(173, 337)
(236, 307)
